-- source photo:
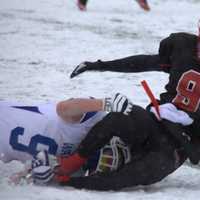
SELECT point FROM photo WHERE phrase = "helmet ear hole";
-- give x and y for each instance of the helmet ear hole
(112, 156)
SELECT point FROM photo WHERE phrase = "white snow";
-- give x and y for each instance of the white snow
(41, 42)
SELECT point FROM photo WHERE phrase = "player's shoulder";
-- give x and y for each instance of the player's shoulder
(92, 116)
(183, 35)
(48, 109)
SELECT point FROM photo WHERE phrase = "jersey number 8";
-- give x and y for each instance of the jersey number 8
(188, 91)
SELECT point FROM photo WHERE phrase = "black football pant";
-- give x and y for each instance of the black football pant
(155, 154)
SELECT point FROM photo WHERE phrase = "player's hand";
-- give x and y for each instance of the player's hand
(118, 103)
(80, 69)
(43, 166)
(88, 66)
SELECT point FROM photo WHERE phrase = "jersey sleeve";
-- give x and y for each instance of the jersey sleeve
(136, 63)
(48, 109)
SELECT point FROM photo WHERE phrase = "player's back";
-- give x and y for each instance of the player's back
(22, 129)
(183, 88)
(25, 130)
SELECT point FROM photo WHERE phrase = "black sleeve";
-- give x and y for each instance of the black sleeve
(150, 169)
(137, 63)
(179, 49)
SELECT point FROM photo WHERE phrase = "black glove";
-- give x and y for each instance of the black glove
(79, 69)
(88, 66)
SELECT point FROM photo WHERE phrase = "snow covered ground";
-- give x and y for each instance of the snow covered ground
(41, 42)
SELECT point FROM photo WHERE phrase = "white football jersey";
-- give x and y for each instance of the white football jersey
(25, 130)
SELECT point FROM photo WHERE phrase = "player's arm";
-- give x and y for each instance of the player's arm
(72, 110)
(179, 49)
(149, 169)
(136, 63)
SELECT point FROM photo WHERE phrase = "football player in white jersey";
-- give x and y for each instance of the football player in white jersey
(57, 128)
(26, 130)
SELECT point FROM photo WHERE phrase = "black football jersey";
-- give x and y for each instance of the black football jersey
(178, 57)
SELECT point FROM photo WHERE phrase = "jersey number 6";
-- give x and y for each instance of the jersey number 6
(31, 148)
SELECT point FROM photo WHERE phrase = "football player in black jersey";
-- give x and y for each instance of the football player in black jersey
(158, 147)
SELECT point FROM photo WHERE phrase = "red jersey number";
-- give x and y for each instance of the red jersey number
(188, 91)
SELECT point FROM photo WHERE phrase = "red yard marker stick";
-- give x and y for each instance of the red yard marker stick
(151, 97)
(174, 129)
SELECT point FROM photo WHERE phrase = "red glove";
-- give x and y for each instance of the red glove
(69, 165)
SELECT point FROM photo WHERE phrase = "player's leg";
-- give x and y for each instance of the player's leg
(134, 129)
(82, 4)
(130, 129)
(151, 168)
(143, 4)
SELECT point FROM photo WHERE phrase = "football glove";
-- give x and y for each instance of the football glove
(43, 166)
(80, 69)
(87, 66)
(118, 103)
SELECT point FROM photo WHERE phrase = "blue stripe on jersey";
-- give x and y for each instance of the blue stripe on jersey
(29, 108)
(87, 116)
